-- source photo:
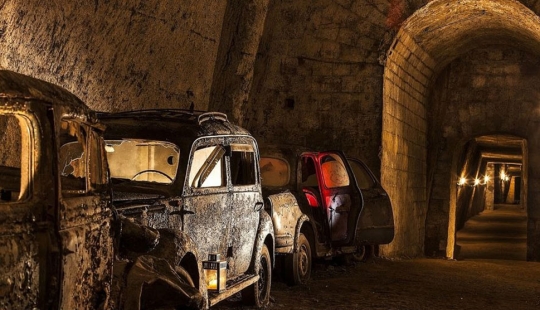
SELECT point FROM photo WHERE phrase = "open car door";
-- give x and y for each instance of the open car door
(334, 185)
(376, 223)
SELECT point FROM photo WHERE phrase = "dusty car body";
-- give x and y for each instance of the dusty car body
(195, 178)
(326, 212)
(56, 250)
(58, 233)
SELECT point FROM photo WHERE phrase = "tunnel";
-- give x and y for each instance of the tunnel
(439, 98)
(455, 79)
(405, 85)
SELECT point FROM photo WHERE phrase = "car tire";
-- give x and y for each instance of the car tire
(362, 254)
(258, 294)
(298, 264)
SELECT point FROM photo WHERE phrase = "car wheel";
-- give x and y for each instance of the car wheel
(259, 293)
(362, 254)
(298, 264)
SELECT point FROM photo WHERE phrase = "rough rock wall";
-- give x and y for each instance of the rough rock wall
(317, 79)
(116, 55)
(318, 76)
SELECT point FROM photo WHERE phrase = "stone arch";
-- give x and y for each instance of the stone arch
(426, 43)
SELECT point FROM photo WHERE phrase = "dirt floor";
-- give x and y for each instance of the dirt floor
(490, 273)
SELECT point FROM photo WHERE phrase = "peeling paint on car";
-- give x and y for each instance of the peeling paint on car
(213, 206)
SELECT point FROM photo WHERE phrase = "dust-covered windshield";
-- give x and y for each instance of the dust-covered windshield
(143, 160)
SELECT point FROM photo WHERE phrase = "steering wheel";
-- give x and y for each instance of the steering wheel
(152, 171)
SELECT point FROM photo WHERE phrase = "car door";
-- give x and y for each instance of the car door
(246, 203)
(340, 195)
(27, 277)
(206, 215)
(84, 217)
(376, 224)
(308, 185)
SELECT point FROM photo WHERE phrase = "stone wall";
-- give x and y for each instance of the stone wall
(318, 78)
(116, 55)
(355, 75)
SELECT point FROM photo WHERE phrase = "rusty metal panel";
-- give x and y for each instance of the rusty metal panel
(285, 216)
(87, 262)
(19, 264)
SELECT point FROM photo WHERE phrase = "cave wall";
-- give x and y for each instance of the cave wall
(116, 55)
(342, 74)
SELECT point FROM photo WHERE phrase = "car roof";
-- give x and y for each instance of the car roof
(175, 125)
(18, 86)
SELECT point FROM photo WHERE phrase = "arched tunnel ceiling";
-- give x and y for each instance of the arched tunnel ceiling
(447, 29)
(500, 148)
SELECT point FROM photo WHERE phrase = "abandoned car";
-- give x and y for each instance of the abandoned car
(58, 233)
(195, 178)
(322, 205)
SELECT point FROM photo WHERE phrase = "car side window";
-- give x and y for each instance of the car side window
(363, 178)
(274, 171)
(13, 183)
(208, 167)
(309, 174)
(72, 157)
(243, 164)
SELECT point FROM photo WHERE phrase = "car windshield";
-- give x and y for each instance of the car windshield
(143, 160)
(274, 172)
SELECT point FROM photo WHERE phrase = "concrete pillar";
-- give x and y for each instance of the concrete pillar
(511, 190)
(490, 189)
(242, 30)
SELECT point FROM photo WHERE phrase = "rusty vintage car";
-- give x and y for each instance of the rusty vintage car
(195, 178)
(322, 205)
(58, 233)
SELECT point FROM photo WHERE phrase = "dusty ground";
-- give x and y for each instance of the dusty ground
(490, 273)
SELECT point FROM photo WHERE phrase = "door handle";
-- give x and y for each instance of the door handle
(258, 206)
(182, 212)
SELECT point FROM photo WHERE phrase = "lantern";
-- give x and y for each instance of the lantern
(215, 271)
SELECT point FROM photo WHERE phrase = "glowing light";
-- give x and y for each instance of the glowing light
(215, 272)
(486, 179)
(462, 181)
(212, 284)
(476, 182)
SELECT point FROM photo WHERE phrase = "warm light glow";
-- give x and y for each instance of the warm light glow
(212, 284)
(462, 181)
(215, 271)
(476, 182)
(503, 175)
(486, 179)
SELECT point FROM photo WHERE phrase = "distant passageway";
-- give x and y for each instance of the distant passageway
(496, 234)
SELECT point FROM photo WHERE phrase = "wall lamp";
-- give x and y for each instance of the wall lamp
(474, 182)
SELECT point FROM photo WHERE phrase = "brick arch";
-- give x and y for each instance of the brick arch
(426, 43)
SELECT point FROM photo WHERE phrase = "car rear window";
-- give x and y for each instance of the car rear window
(274, 172)
(143, 160)
(334, 171)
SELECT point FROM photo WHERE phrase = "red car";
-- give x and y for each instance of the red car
(335, 206)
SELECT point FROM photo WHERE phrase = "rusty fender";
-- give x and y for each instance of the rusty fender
(287, 219)
(175, 245)
(266, 230)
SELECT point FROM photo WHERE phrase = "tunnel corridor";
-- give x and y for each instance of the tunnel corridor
(494, 234)
(457, 97)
